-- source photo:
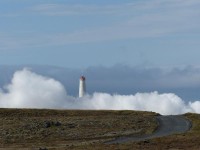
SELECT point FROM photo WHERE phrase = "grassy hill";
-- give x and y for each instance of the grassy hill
(45, 129)
(186, 141)
(69, 129)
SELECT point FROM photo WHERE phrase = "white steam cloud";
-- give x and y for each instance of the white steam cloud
(30, 90)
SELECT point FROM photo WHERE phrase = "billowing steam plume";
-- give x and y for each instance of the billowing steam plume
(30, 90)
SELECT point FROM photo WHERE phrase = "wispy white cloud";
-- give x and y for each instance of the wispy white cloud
(144, 19)
(80, 9)
(141, 6)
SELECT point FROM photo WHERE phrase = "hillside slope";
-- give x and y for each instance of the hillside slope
(34, 128)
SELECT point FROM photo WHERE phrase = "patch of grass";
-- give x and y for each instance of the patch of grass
(77, 128)
(195, 119)
(26, 129)
(185, 141)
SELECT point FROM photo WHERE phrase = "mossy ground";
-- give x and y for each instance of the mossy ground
(25, 129)
(186, 141)
(69, 129)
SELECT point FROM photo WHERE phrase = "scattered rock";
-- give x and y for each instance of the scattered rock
(57, 124)
(71, 125)
(49, 124)
(43, 148)
(146, 141)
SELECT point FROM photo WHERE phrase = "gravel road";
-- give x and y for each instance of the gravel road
(168, 125)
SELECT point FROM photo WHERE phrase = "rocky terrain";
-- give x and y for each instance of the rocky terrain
(35, 129)
(69, 129)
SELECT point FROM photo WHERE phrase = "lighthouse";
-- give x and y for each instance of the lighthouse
(82, 86)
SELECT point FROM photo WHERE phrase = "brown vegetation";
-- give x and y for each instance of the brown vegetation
(69, 129)
(76, 129)
(186, 141)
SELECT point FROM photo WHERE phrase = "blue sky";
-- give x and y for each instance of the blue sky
(83, 33)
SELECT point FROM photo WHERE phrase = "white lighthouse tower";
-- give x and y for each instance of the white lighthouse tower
(82, 86)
